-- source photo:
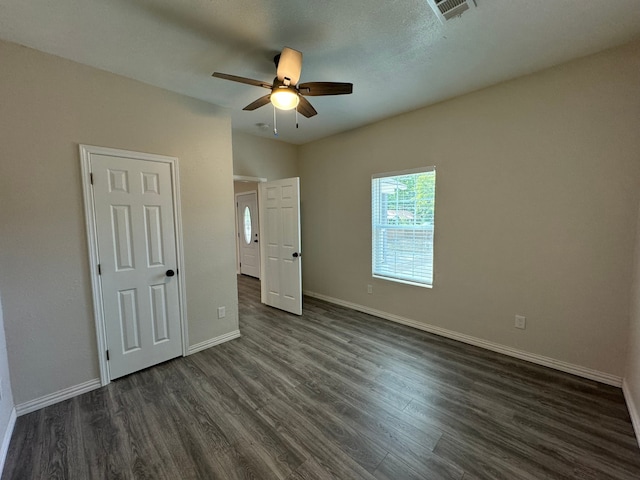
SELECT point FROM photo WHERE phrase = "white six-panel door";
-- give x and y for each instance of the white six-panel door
(279, 205)
(248, 238)
(136, 237)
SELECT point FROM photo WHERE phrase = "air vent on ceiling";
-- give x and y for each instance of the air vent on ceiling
(448, 9)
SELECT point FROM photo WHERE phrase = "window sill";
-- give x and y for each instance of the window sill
(406, 282)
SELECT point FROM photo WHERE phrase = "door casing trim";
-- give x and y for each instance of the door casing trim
(92, 241)
(244, 178)
(238, 232)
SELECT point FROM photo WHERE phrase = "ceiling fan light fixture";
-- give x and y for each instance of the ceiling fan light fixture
(286, 93)
(285, 98)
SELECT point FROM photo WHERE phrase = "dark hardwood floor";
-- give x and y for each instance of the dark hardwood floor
(332, 394)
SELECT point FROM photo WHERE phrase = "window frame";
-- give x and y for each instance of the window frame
(375, 229)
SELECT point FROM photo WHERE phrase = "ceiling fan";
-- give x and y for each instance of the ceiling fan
(286, 92)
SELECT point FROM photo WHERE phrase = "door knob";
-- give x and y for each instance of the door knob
(170, 273)
(296, 254)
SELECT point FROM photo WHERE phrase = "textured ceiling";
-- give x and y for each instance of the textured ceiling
(396, 52)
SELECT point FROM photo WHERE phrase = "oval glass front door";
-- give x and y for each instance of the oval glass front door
(247, 225)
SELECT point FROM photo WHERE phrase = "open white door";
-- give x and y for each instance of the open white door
(279, 205)
(248, 247)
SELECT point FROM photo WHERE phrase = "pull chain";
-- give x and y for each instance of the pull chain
(275, 124)
(297, 126)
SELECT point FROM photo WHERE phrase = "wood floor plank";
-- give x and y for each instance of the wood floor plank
(468, 425)
(79, 469)
(104, 449)
(584, 413)
(482, 461)
(392, 468)
(332, 451)
(332, 368)
(390, 425)
(597, 455)
(56, 441)
(243, 426)
(332, 394)
(215, 367)
(149, 457)
(311, 470)
(25, 447)
(390, 437)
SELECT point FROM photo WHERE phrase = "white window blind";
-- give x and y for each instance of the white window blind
(402, 219)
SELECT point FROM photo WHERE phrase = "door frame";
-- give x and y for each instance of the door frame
(92, 240)
(243, 178)
(239, 233)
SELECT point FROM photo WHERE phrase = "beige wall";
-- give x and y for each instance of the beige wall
(263, 158)
(536, 202)
(49, 106)
(241, 187)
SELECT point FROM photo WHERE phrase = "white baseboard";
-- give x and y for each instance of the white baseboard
(7, 438)
(578, 370)
(213, 341)
(59, 396)
(52, 398)
(633, 409)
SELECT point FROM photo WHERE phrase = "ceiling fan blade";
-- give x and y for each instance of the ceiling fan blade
(290, 65)
(315, 89)
(248, 81)
(305, 108)
(262, 101)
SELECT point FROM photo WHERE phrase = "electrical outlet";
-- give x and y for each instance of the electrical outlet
(221, 312)
(369, 289)
(521, 322)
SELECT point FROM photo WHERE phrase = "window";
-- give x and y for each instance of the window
(247, 225)
(402, 205)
